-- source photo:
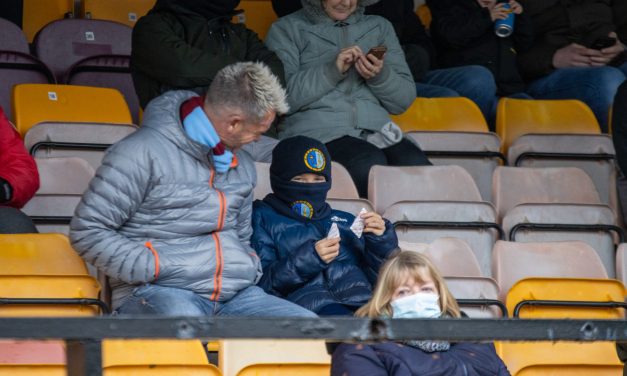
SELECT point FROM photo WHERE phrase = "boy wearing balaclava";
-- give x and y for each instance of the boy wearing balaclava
(323, 259)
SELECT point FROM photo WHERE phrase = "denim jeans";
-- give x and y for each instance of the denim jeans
(594, 86)
(169, 301)
(471, 81)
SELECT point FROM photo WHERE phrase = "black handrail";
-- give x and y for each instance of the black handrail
(68, 146)
(484, 302)
(547, 155)
(567, 303)
(104, 308)
(469, 154)
(448, 224)
(568, 228)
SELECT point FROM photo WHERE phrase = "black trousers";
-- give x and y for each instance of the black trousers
(358, 156)
(619, 126)
(13, 221)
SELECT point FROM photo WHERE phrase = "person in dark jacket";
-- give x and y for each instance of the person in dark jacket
(578, 51)
(409, 286)
(311, 254)
(182, 44)
(19, 180)
(474, 82)
(619, 127)
(463, 32)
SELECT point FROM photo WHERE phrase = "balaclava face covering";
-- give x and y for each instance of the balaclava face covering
(294, 156)
(210, 9)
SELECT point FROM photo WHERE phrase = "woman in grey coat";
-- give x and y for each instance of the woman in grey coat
(339, 92)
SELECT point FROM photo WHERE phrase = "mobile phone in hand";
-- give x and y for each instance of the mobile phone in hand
(603, 42)
(378, 51)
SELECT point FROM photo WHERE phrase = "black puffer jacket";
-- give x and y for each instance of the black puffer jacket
(557, 23)
(463, 33)
(182, 44)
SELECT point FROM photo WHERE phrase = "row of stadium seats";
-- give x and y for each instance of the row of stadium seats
(535, 272)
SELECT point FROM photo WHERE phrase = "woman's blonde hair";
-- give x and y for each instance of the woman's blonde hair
(397, 269)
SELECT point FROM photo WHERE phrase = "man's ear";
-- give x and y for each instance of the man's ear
(235, 122)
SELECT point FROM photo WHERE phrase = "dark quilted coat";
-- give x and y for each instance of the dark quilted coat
(293, 270)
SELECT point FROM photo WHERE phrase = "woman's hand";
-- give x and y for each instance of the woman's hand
(373, 223)
(369, 66)
(516, 7)
(498, 12)
(328, 249)
(347, 57)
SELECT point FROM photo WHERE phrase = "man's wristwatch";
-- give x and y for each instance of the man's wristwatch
(6, 191)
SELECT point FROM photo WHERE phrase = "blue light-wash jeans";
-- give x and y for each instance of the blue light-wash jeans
(169, 301)
(471, 81)
(594, 86)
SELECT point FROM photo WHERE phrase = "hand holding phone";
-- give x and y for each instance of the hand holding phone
(377, 51)
(603, 42)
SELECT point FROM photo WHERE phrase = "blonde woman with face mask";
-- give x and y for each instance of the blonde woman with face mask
(409, 286)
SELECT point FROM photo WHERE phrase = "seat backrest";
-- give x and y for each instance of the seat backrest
(453, 257)
(258, 16)
(516, 117)
(12, 38)
(111, 71)
(517, 220)
(36, 103)
(572, 370)
(40, 140)
(350, 205)
(593, 153)
(475, 288)
(62, 43)
(621, 263)
(567, 289)
(446, 148)
(39, 254)
(19, 68)
(286, 369)
(512, 186)
(342, 186)
(390, 184)
(122, 11)
(515, 261)
(26, 357)
(38, 14)
(424, 222)
(236, 355)
(62, 184)
(442, 114)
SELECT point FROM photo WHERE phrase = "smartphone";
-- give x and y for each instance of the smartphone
(603, 42)
(378, 51)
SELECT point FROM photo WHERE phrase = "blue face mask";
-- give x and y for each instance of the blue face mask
(417, 306)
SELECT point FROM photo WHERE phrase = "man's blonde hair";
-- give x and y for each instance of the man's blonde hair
(397, 269)
(250, 87)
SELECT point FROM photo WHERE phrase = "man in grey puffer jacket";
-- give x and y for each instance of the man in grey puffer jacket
(167, 216)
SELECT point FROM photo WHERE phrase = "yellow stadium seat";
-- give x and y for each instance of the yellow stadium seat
(516, 117)
(424, 13)
(38, 14)
(30, 261)
(258, 16)
(567, 289)
(442, 114)
(35, 103)
(32, 358)
(237, 355)
(155, 357)
(300, 369)
(122, 11)
(571, 370)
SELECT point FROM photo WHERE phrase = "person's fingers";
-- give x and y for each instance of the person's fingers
(600, 59)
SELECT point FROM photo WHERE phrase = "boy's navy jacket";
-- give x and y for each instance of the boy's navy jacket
(396, 359)
(293, 270)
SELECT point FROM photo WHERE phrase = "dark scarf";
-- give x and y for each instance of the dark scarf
(301, 201)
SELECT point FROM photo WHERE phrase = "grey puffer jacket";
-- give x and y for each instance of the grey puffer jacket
(157, 212)
(324, 103)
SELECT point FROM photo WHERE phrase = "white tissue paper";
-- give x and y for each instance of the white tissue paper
(358, 224)
(334, 232)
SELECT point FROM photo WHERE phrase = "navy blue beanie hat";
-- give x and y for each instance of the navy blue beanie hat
(294, 156)
(298, 155)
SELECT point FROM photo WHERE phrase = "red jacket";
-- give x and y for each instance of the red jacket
(17, 167)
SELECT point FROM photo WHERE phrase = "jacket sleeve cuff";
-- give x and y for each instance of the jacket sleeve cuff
(380, 78)
(384, 244)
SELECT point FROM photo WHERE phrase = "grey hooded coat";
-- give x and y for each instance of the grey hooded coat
(324, 103)
(156, 212)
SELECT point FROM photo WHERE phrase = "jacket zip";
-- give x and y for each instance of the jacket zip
(217, 277)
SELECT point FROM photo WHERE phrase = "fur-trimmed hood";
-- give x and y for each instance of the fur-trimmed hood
(314, 10)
